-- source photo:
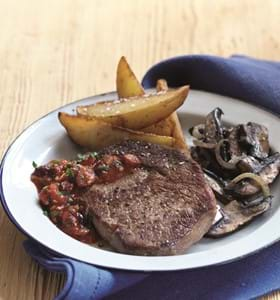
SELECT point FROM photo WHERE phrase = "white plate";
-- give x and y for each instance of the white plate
(46, 139)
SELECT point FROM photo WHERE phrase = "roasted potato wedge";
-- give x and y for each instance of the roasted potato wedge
(95, 134)
(177, 132)
(170, 126)
(127, 83)
(137, 112)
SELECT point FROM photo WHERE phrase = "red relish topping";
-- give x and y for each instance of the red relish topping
(61, 182)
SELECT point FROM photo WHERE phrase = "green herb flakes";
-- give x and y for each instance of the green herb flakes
(69, 173)
(54, 213)
(81, 156)
(103, 168)
(45, 212)
(93, 154)
(70, 200)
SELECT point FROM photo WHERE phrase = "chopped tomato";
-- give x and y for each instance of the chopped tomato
(51, 195)
(131, 160)
(85, 176)
(88, 161)
(110, 168)
(44, 197)
(67, 186)
(69, 219)
(40, 182)
(111, 174)
(110, 159)
(70, 224)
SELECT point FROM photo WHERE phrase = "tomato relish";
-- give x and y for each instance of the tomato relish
(60, 184)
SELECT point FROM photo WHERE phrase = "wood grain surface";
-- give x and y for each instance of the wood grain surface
(56, 51)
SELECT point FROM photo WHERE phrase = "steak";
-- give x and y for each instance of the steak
(160, 208)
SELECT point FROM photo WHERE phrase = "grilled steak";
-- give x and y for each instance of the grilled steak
(160, 208)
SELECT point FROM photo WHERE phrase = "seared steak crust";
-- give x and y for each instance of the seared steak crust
(161, 208)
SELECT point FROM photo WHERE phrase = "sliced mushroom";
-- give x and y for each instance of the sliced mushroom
(267, 170)
(217, 185)
(248, 164)
(237, 167)
(255, 138)
(235, 216)
(197, 131)
(270, 168)
(253, 201)
(202, 156)
(219, 215)
(233, 140)
(213, 127)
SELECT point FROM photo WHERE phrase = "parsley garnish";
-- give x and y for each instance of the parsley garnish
(70, 200)
(34, 164)
(93, 154)
(54, 213)
(45, 212)
(103, 168)
(82, 157)
(69, 173)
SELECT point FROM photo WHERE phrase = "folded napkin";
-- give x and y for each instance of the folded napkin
(248, 79)
(241, 77)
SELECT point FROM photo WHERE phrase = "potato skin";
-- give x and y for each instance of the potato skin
(138, 112)
(171, 125)
(94, 134)
(127, 83)
(129, 86)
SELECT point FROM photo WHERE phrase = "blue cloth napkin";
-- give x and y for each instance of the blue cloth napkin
(241, 77)
(251, 80)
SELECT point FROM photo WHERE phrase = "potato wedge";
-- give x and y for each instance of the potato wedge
(170, 126)
(127, 83)
(137, 112)
(164, 127)
(95, 134)
(177, 132)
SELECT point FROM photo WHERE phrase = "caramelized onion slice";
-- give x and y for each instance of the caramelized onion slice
(230, 165)
(264, 187)
(204, 145)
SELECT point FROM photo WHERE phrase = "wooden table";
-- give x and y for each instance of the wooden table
(56, 51)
